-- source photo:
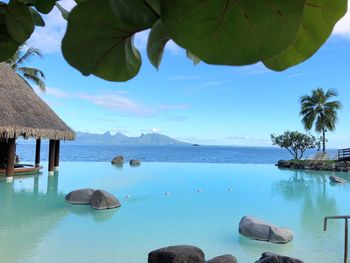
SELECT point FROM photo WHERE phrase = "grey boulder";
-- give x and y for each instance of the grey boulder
(80, 196)
(177, 254)
(269, 257)
(104, 200)
(223, 259)
(135, 162)
(118, 160)
(336, 179)
(259, 230)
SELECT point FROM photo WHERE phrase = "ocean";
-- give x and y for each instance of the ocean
(184, 154)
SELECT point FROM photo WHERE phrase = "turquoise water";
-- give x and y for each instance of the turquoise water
(38, 226)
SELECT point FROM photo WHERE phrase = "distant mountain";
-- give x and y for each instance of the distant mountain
(118, 138)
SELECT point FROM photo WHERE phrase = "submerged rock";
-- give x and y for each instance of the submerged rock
(118, 160)
(104, 200)
(256, 229)
(80, 196)
(135, 162)
(177, 254)
(336, 179)
(269, 257)
(223, 259)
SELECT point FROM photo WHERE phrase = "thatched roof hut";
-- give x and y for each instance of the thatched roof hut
(25, 114)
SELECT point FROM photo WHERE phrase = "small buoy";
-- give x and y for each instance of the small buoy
(199, 191)
(230, 189)
(167, 193)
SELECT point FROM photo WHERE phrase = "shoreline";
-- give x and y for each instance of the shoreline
(316, 165)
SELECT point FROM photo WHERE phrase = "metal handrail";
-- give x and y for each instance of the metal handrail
(346, 232)
(344, 154)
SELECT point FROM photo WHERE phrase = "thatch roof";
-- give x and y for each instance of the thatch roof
(23, 113)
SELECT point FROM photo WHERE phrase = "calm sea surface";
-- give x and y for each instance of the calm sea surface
(188, 154)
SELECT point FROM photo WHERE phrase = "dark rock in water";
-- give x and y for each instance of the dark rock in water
(177, 254)
(104, 200)
(223, 259)
(336, 179)
(135, 162)
(80, 197)
(118, 160)
(269, 257)
(283, 163)
(263, 231)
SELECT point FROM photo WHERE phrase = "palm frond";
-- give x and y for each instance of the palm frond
(28, 54)
(35, 75)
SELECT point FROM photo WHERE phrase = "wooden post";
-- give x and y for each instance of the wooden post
(51, 156)
(57, 155)
(37, 152)
(11, 151)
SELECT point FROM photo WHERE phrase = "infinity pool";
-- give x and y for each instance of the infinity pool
(36, 225)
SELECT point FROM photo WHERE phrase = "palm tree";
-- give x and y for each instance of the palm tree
(34, 75)
(319, 111)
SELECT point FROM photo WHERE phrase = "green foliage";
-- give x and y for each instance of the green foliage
(317, 110)
(157, 40)
(232, 32)
(17, 61)
(97, 42)
(295, 142)
(44, 6)
(99, 37)
(311, 34)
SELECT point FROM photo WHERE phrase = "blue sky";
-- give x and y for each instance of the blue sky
(203, 104)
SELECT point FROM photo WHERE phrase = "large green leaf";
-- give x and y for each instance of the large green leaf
(44, 6)
(19, 21)
(134, 13)
(319, 19)
(7, 45)
(98, 43)
(232, 32)
(38, 20)
(157, 40)
(193, 57)
(155, 4)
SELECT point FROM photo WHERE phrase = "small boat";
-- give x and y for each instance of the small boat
(195, 144)
(21, 169)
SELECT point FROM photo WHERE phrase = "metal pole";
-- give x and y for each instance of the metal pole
(346, 242)
(345, 230)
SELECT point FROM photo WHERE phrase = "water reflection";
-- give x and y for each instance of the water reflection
(314, 193)
(27, 215)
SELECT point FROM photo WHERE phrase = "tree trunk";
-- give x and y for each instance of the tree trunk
(324, 140)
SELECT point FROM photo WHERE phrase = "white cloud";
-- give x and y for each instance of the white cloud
(175, 118)
(342, 28)
(164, 107)
(119, 103)
(156, 130)
(116, 101)
(295, 75)
(57, 93)
(48, 38)
(153, 130)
